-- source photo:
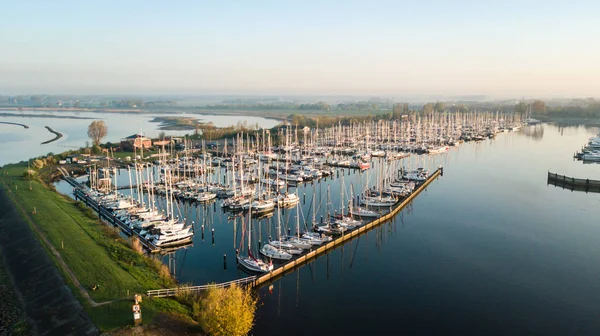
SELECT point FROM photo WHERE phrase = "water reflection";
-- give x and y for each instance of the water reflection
(536, 132)
(488, 241)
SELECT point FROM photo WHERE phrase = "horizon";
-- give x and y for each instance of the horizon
(500, 50)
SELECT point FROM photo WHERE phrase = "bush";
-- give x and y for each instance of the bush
(96, 149)
(226, 311)
(29, 174)
(39, 164)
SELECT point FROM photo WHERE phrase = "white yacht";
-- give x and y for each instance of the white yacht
(273, 253)
(364, 213)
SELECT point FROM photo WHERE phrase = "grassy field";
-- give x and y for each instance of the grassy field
(93, 251)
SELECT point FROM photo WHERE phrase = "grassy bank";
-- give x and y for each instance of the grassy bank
(94, 253)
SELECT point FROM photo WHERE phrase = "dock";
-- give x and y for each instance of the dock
(108, 216)
(573, 184)
(304, 259)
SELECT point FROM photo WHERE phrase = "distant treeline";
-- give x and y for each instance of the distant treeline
(580, 108)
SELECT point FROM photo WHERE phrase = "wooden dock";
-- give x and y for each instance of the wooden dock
(573, 184)
(302, 260)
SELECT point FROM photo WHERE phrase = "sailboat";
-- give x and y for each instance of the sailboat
(172, 235)
(249, 262)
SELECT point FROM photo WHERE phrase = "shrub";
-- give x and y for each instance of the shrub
(226, 311)
(29, 174)
(39, 164)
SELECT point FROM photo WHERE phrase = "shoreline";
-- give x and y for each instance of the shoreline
(58, 135)
(42, 116)
(190, 111)
(12, 123)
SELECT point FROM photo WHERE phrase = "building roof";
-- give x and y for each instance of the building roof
(135, 136)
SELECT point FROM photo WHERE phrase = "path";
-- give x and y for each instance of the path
(51, 307)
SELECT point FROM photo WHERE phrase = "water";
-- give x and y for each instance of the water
(120, 125)
(489, 248)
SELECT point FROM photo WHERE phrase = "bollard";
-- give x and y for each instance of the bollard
(225, 261)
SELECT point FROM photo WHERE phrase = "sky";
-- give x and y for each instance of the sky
(494, 48)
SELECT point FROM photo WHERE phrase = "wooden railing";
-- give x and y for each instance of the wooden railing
(197, 289)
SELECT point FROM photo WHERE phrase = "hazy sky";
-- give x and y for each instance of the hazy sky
(497, 48)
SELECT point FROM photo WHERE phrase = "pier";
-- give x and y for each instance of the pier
(302, 260)
(107, 215)
(573, 184)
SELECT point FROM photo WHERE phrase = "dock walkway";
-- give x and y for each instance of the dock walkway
(300, 261)
(105, 214)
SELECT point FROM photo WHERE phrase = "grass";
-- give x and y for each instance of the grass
(94, 252)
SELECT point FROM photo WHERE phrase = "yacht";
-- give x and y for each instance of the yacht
(272, 252)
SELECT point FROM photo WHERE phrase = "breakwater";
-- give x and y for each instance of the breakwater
(572, 183)
(12, 123)
(57, 136)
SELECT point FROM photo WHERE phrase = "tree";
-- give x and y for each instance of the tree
(539, 107)
(97, 130)
(226, 311)
(428, 108)
(521, 107)
(439, 106)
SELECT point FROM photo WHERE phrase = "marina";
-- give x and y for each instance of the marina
(590, 153)
(374, 169)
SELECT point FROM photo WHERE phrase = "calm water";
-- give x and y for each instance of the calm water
(489, 249)
(120, 125)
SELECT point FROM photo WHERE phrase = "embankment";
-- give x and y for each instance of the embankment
(50, 306)
(58, 135)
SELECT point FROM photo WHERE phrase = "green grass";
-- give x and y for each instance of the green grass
(93, 251)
